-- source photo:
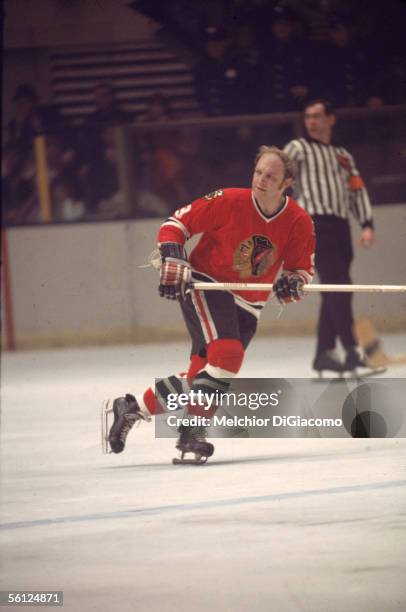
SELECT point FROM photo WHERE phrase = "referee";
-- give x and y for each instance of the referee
(329, 187)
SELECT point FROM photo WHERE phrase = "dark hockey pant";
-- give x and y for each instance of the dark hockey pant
(334, 255)
(220, 332)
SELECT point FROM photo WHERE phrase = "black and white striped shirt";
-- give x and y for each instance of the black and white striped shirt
(328, 182)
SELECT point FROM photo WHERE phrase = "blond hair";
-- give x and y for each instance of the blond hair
(288, 163)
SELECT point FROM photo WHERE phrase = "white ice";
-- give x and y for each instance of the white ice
(267, 525)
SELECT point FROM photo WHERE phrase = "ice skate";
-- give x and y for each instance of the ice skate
(327, 361)
(126, 412)
(192, 440)
(357, 364)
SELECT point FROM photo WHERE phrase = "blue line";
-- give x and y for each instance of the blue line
(239, 501)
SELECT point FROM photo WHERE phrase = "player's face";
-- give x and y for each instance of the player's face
(268, 181)
(318, 124)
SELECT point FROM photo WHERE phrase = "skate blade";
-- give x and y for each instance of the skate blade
(105, 411)
(351, 375)
(321, 375)
(368, 374)
(196, 460)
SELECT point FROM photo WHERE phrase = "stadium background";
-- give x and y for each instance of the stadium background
(77, 281)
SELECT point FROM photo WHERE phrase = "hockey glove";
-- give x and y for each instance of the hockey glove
(175, 272)
(289, 288)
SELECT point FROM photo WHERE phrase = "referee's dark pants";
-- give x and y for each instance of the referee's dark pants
(333, 260)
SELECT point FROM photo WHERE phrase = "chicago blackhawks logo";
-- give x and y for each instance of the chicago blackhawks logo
(214, 194)
(254, 256)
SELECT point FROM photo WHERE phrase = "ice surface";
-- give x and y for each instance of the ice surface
(267, 524)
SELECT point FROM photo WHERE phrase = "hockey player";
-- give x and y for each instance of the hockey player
(248, 235)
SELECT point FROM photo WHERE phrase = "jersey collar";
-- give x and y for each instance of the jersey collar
(332, 143)
(273, 216)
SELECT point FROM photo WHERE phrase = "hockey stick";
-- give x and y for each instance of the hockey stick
(307, 288)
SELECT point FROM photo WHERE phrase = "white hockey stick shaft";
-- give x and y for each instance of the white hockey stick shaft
(307, 288)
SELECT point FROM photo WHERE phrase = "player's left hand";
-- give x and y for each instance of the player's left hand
(289, 288)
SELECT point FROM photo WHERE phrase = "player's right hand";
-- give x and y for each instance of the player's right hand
(175, 278)
(289, 288)
(175, 272)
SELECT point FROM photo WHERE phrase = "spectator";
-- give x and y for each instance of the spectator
(215, 80)
(100, 168)
(174, 171)
(64, 181)
(344, 66)
(31, 119)
(157, 159)
(286, 63)
(108, 113)
(27, 122)
(388, 80)
(20, 203)
(242, 61)
(19, 166)
(158, 108)
(19, 200)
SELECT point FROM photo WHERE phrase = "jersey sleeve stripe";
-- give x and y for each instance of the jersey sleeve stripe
(171, 222)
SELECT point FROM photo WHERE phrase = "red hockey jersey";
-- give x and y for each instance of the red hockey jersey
(239, 243)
